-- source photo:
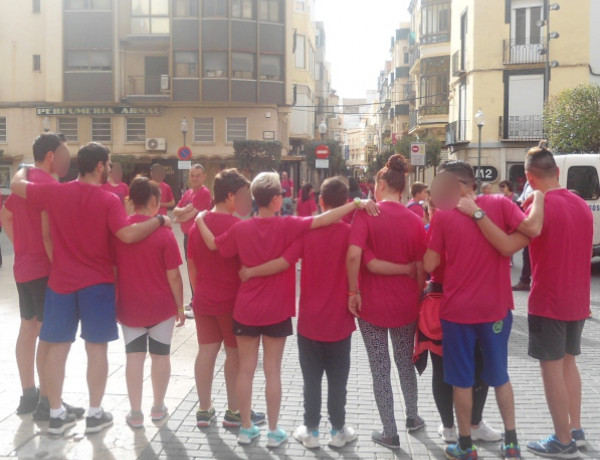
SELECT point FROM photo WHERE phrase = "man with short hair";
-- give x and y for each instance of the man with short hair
(28, 229)
(82, 218)
(167, 199)
(418, 193)
(115, 183)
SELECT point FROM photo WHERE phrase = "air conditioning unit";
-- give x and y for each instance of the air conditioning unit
(156, 143)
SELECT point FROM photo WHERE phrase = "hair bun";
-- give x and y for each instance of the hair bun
(543, 144)
(398, 163)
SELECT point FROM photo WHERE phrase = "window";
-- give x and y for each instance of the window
(434, 85)
(271, 67)
(2, 130)
(243, 65)
(435, 23)
(215, 64)
(100, 5)
(186, 64)
(101, 129)
(243, 9)
(89, 60)
(36, 6)
(300, 58)
(300, 5)
(236, 129)
(185, 8)
(37, 63)
(135, 129)
(269, 10)
(68, 126)
(214, 9)
(149, 17)
(524, 28)
(204, 129)
(311, 60)
(584, 180)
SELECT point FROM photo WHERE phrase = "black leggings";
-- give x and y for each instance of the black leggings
(443, 392)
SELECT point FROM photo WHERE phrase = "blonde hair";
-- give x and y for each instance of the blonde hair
(265, 187)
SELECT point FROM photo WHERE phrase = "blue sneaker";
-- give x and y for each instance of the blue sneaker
(578, 436)
(276, 438)
(510, 451)
(454, 452)
(247, 435)
(551, 447)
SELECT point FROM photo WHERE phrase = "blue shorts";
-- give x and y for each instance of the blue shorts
(93, 305)
(458, 344)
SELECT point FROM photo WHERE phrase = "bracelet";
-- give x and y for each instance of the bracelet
(352, 294)
(181, 310)
(161, 219)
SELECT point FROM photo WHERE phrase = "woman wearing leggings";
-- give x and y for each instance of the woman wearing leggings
(387, 303)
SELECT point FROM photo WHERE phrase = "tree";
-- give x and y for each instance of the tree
(254, 157)
(572, 120)
(337, 163)
(433, 148)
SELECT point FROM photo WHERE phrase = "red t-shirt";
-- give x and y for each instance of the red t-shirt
(166, 195)
(395, 235)
(415, 207)
(144, 293)
(217, 281)
(82, 218)
(121, 189)
(287, 186)
(306, 208)
(477, 285)
(31, 260)
(437, 276)
(561, 259)
(264, 300)
(323, 312)
(200, 200)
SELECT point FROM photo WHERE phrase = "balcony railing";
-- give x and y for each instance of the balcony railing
(437, 109)
(409, 92)
(456, 132)
(439, 37)
(522, 53)
(457, 64)
(415, 54)
(413, 119)
(148, 85)
(521, 128)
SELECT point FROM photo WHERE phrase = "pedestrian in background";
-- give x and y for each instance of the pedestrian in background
(158, 174)
(306, 204)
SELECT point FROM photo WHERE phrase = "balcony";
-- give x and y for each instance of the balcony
(521, 128)
(149, 88)
(409, 93)
(433, 38)
(456, 132)
(437, 109)
(415, 54)
(413, 119)
(515, 52)
(458, 67)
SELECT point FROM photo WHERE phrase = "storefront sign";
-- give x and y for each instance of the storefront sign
(120, 110)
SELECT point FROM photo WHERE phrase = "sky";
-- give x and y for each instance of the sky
(358, 40)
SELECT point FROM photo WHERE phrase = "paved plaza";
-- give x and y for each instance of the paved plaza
(178, 437)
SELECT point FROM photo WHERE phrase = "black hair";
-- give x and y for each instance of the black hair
(47, 142)
(461, 169)
(334, 192)
(540, 161)
(142, 189)
(228, 181)
(306, 188)
(89, 156)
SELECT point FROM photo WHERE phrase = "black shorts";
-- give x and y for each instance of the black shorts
(31, 298)
(550, 339)
(282, 329)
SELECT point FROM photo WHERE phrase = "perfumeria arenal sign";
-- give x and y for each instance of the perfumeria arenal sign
(91, 110)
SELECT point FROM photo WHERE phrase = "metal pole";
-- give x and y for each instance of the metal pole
(479, 161)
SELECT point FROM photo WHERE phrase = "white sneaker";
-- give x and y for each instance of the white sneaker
(484, 432)
(339, 438)
(189, 313)
(309, 439)
(448, 435)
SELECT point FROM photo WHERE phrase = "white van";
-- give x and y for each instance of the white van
(580, 172)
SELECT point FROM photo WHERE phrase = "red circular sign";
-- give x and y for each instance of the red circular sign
(322, 152)
(184, 153)
(415, 149)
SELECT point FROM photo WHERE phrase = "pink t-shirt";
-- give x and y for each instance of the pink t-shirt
(121, 189)
(166, 195)
(561, 259)
(287, 186)
(437, 275)
(144, 293)
(395, 235)
(200, 200)
(265, 300)
(415, 207)
(323, 312)
(31, 260)
(82, 218)
(306, 208)
(477, 285)
(217, 282)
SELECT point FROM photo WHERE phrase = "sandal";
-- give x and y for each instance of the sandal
(158, 413)
(135, 419)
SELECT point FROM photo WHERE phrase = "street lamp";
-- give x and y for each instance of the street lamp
(480, 119)
(184, 129)
(322, 129)
(46, 124)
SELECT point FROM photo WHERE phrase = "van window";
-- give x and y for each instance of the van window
(584, 180)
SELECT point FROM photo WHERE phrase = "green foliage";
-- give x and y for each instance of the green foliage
(379, 162)
(572, 120)
(127, 162)
(337, 163)
(254, 157)
(433, 148)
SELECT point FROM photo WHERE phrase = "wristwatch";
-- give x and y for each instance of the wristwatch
(357, 202)
(478, 215)
(161, 219)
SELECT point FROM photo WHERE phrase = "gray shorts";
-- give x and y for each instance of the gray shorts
(550, 339)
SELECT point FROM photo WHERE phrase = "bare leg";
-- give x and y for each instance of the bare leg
(134, 374)
(204, 370)
(272, 355)
(573, 382)
(463, 406)
(25, 351)
(55, 372)
(97, 371)
(506, 404)
(557, 397)
(161, 374)
(248, 358)
(41, 357)
(231, 373)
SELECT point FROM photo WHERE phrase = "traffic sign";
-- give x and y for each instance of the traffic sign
(417, 154)
(322, 163)
(184, 165)
(322, 152)
(184, 153)
(346, 152)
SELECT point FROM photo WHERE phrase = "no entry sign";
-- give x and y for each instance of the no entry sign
(322, 152)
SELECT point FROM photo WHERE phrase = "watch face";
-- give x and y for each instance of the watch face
(478, 214)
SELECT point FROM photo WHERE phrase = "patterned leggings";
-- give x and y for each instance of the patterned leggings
(376, 343)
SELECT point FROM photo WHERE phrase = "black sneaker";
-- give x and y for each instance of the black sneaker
(42, 412)
(27, 404)
(391, 442)
(414, 423)
(96, 424)
(59, 425)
